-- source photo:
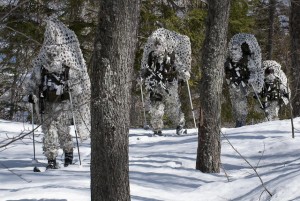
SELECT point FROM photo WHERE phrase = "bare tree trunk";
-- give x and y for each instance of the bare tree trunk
(13, 98)
(113, 59)
(12, 105)
(209, 147)
(295, 43)
(272, 9)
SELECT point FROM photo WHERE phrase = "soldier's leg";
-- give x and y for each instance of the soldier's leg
(50, 143)
(272, 110)
(239, 105)
(173, 109)
(156, 114)
(65, 138)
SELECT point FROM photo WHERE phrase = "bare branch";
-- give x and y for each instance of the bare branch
(23, 35)
(18, 175)
(175, 6)
(17, 6)
(254, 169)
(262, 154)
(21, 136)
(227, 176)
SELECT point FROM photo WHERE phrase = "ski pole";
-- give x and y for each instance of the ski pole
(72, 108)
(261, 105)
(189, 91)
(292, 122)
(291, 109)
(35, 169)
(145, 120)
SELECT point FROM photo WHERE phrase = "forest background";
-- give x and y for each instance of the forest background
(22, 30)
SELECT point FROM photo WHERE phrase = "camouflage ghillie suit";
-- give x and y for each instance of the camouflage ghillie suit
(60, 56)
(275, 92)
(166, 61)
(243, 72)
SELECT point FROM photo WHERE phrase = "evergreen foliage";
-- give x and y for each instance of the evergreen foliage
(240, 20)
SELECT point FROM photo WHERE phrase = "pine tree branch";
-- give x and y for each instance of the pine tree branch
(23, 35)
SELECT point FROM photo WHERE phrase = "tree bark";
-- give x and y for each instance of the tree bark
(113, 59)
(209, 147)
(272, 9)
(295, 56)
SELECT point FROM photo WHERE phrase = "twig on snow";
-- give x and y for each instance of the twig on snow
(254, 169)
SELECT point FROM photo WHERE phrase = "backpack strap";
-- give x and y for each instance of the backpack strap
(54, 86)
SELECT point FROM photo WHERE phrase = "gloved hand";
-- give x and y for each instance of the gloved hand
(184, 75)
(251, 80)
(144, 73)
(32, 99)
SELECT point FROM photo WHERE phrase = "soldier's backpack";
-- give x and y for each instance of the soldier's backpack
(271, 90)
(54, 86)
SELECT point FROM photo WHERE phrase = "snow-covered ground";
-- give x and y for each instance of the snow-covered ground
(163, 168)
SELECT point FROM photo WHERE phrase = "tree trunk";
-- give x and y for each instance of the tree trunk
(272, 9)
(114, 52)
(295, 43)
(209, 147)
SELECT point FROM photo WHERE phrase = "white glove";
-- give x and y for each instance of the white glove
(32, 99)
(252, 79)
(184, 75)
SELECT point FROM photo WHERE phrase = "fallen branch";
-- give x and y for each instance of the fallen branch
(18, 175)
(18, 138)
(254, 169)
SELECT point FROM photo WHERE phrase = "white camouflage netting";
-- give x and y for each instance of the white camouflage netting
(160, 42)
(279, 74)
(273, 108)
(254, 63)
(170, 41)
(239, 93)
(61, 47)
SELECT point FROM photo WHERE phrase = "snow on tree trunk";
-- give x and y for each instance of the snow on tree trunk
(113, 59)
(295, 43)
(209, 147)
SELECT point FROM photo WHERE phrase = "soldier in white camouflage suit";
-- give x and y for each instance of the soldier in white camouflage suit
(244, 73)
(275, 92)
(59, 69)
(166, 62)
